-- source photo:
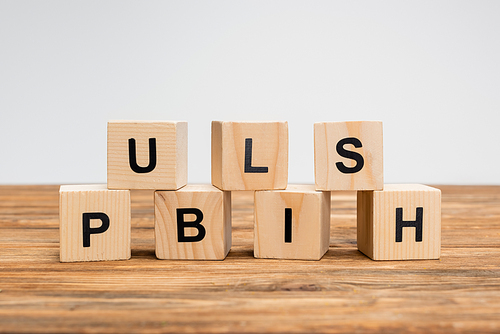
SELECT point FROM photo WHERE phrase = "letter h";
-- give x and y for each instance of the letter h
(417, 223)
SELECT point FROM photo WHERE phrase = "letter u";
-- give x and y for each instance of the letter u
(133, 158)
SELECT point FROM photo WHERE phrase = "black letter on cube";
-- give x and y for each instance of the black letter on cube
(133, 159)
(182, 224)
(360, 162)
(288, 225)
(87, 230)
(248, 159)
(417, 223)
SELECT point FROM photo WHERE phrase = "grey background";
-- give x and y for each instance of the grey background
(428, 69)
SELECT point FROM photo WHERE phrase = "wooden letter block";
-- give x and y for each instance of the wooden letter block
(193, 223)
(147, 155)
(348, 156)
(249, 155)
(401, 222)
(292, 223)
(94, 223)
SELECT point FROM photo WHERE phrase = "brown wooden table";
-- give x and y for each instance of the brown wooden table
(344, 292)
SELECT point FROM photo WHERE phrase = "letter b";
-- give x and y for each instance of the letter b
(182, 224)
(201, 215)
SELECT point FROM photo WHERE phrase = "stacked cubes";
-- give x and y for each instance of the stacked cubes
(395, 222)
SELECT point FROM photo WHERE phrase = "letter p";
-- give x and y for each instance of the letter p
(87, 230)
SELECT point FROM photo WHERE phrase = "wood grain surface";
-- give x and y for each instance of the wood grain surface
(376, 217)
(268, 149)
(171, 155)
(344, 292)
(215, 219)
(309, 234)
(327, 154)
(76, 200)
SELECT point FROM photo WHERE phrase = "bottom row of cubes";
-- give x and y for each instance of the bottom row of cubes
(401, 222)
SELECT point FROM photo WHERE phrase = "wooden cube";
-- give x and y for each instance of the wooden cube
(348, 156)
(249, 155)
(401, 222)
(292, 223)
(94, 223)
(193, 223)
(147, 155)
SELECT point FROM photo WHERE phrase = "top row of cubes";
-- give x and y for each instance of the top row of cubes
(245, 155)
